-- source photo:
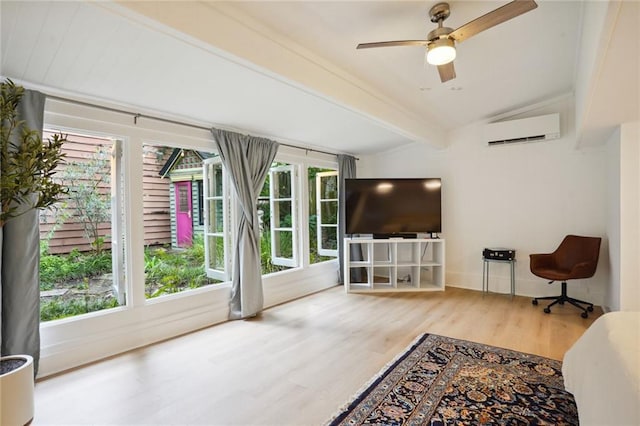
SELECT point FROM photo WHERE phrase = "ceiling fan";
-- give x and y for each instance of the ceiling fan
(440, 42)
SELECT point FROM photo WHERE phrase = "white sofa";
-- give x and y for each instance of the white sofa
(602, 371)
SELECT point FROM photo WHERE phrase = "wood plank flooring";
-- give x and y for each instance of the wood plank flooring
(296, 363)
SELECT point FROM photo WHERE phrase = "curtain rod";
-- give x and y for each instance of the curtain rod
(164, 120)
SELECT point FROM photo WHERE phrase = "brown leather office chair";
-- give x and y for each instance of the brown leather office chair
(576, 257)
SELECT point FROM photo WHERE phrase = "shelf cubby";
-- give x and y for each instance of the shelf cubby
(393, 264)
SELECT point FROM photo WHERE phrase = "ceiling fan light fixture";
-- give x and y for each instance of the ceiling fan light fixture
(441, 41)
(441, 51)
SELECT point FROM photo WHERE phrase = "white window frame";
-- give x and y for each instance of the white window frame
(117, 197)
(319, 221)
(117, 224)
(223, 275)
(293, 200)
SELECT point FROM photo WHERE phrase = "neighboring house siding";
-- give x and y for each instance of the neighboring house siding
(157, 225)
(198, 229)
(70, 234)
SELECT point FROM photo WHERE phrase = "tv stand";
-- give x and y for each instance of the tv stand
(393, 264)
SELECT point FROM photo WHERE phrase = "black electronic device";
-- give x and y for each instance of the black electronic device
(394, 207)
(499, 253)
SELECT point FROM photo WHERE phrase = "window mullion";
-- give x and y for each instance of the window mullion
(134, 226)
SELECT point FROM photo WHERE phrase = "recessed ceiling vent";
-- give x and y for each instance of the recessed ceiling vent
(541, 128)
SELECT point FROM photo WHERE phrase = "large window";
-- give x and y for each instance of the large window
(81, 250)
(174, 235)
(187, 224)
(282, 203)
(277, 216)
(323, 214)
(217, 212)
(327, 213)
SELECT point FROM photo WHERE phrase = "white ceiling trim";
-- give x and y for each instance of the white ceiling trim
(612, 93)
(244, 41)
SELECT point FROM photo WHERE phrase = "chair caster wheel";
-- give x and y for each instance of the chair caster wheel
(584, 315)
(590, 309)
(547, 310)
(561, 302)
(534, 302)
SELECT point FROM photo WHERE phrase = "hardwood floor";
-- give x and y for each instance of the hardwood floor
(294, 365)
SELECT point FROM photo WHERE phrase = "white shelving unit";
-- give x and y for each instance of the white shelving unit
(394, 264)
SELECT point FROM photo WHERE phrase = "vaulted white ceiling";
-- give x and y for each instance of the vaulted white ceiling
(290, 70)
(522, 61)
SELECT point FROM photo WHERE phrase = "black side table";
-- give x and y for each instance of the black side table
(485, 273)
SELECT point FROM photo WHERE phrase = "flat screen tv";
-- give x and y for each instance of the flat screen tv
(388, 207)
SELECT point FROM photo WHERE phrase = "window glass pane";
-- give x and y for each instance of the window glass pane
(200, 202)
(282, 185)
(184, 196)
(76, 257)
(264, 193)
(216, 216)
(215, 181)
(329, 239)
(216, 252)
(264, 214)
(173, 229)
(329, 187)
(329, 212)
(283, 243)
(282, 214)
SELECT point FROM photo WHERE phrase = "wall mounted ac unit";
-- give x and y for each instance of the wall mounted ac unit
(541, 128)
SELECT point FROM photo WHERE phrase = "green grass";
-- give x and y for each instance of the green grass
(57, 308)
(73, 266)
(168, 271)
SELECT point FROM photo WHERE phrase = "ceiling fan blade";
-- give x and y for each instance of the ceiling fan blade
(447, 72)
(493, 18)
(393, 43)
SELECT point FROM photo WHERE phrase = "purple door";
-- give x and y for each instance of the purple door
(184, 223)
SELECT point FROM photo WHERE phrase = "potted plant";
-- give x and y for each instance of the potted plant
(16, 381)
(26, 183)
(28, 164)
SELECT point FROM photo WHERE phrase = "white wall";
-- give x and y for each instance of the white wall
(623, 218)
(629, 216)
(524, 196)
(612, 293)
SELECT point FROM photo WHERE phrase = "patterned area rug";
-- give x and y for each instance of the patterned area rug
(444, 381)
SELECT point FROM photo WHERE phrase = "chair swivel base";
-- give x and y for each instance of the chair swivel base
(564, 298)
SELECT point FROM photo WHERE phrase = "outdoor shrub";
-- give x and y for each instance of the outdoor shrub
(172, 271)
(74, 266)
(89, 201)
(195, 253)
(44, 247)
(96, 264)
(265, 255)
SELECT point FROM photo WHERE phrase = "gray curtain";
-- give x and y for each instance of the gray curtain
(20, 261)
(346, 170)
(247, 160)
